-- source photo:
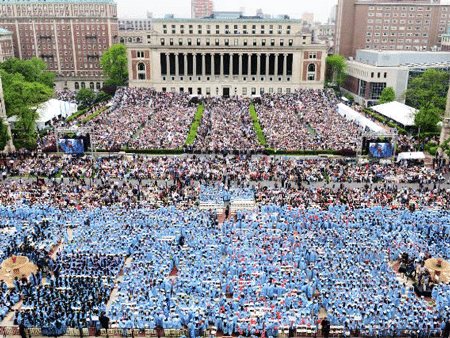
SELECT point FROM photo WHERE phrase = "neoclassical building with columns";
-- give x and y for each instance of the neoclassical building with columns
(235, 56)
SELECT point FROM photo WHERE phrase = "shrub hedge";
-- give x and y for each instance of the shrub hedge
(93, 115)
(76, 115)
(301, 152)
(257, 126)
(197, 120)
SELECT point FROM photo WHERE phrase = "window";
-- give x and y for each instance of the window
(227, 42)
(77, 85)
(162, 41)
(98, 85)
(244, 91)
(313, 55)
(311, 77)
(180, 42)
(199, 42)
(208, 42)
(189, 42)
(171, 42)
(141, 67)
(272, 42)
(375, 90)
(216, 42)
(91, 85)
(291, 42)
(362, 88)
(83, 85)
(140, 54)
(281, 42)
(311, 67)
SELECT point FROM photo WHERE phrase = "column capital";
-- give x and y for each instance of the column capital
(203, 54)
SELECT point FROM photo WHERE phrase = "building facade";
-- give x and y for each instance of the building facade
(6, 44)
(69, 36)
(246, 56)
(201, 8)
(390, 25)
(372, 71)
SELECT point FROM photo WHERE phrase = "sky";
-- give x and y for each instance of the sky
(182, 8)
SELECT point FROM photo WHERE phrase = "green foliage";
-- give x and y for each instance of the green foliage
(257, 126)
(427, 118)
(4, 137)
(349, 97)
(431, 147)
(22, 98)
(152, 151)
(428, 90)
(387, 95)
(85, 96)
(301, 152)
(445, 146)
(93, 115)
(197, 120)
(34, 70)
(102, 96)
(76, 115)
(115, 65)
(337, 65)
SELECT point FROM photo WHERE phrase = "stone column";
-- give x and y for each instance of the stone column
(267, 64)
(185, 64)
(222, 68)
(194, 61)
(231, 64)
(203, 64)
(177, 64)
(285, 65)
(258, 64)
(168, 64)
(249, 65)
(275, 72)
(240, 65)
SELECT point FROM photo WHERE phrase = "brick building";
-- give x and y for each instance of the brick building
(201, 8)
(390, 25)
(242, 56)
(69, 36)
(6, 44)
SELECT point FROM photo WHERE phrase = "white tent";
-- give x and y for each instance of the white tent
(417, 155)
(353, 115)
(397, 111)
(54, 108)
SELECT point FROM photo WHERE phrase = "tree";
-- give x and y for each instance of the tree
(337, 65)
(21, 99)
(429, 89)
(34, 70)
(85, 96)
(115, 65)
(387, 95)
(4, 137)
(102, 96)
(427, 118)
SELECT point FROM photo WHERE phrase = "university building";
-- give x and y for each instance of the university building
(216, 56)
(69, 36)
(414, 25)
(6, 44)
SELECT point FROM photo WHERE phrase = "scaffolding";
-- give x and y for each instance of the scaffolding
(77, 130)
(368, 135)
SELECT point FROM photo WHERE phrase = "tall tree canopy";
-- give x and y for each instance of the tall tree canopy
(26, 84)
(427, 118)
(115, 65)
(429, 89)
(337, 65)
(387, 95)
(34, 70)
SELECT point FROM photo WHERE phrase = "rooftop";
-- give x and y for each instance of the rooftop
(240, 19)
(5, 31)
(56, 1)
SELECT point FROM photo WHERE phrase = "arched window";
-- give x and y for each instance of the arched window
(83, 85)
(98, 85)
(91, 85)
(311, 67)
(77, 85)
(141, 71)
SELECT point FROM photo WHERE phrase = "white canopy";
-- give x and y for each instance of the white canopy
(353, 115)
(417, 155)
(54, 108)
(398, 112)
